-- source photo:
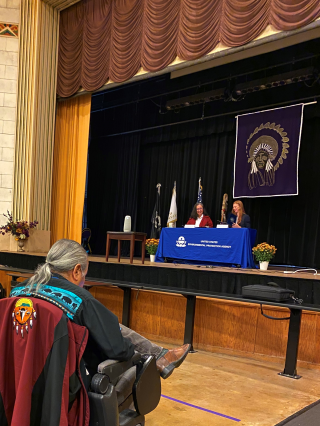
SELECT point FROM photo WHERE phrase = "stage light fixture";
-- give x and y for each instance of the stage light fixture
(236, 92)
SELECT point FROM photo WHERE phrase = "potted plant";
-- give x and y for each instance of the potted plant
(19, 229)
(152, 247)
(264, 252)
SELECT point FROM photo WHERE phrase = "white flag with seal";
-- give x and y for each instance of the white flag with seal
(173, 213)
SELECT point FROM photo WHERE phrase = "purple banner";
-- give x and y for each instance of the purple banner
(267, 153)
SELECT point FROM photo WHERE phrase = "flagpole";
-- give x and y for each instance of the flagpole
(173, 214)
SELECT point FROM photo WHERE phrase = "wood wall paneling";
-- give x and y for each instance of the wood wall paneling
(309, 336)
(316, 348)
(222, 324)
(6, 283)
(219, 323)
(172, 317)
(145, 312)
(271, 336)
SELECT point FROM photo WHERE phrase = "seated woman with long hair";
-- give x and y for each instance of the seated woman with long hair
(199, 217)
(239, 216)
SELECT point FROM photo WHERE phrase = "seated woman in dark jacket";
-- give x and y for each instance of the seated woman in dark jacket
(242, 220)
(199, 217)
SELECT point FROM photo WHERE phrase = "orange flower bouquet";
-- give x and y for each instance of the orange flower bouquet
(264, 252)
(152, 245)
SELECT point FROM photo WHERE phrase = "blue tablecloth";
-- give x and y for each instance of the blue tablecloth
(217, 246)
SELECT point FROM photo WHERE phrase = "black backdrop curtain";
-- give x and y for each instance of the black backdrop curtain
(124, 171)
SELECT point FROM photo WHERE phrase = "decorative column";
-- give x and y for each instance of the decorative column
(36, 109)
(35, 113)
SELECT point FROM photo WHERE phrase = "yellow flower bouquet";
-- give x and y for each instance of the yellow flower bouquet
(152, 245)
(264, 252)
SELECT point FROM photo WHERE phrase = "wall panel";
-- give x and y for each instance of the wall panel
(227, 325)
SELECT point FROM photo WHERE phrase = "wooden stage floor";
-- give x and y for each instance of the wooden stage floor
(249, 391)
(275, 271)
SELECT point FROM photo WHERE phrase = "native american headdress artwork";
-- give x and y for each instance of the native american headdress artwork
(23, 315)
(266, 161)
(262, 153)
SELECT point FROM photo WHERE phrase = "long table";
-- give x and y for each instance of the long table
(215, 246)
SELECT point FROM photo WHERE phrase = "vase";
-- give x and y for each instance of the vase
(264, 266)
(152, 257)
(20, 245)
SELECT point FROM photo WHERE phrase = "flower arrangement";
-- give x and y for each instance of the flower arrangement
(152, 245)
(264, 252)
(20, 229)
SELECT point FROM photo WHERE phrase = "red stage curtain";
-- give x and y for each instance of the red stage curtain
(113, 39)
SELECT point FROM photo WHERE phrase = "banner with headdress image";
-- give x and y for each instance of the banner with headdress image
(267, 153)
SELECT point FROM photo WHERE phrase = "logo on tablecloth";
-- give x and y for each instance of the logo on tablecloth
(181, 242)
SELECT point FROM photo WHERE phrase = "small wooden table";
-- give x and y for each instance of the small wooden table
(127, 236)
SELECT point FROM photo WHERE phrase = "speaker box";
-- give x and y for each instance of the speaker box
(127, 224)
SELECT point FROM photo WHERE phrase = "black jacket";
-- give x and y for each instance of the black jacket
(245, 221)
(105, 339)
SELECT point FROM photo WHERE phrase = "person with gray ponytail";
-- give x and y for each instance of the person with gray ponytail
(63, 257)
(60, 281)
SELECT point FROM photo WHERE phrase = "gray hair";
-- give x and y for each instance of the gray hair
(63, 256)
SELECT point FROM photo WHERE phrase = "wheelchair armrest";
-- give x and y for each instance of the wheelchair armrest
(113, 368)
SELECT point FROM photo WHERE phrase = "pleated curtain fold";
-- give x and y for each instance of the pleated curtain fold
(109, 40)
(69, 168)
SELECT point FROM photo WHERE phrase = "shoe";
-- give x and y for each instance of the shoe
(172, 359)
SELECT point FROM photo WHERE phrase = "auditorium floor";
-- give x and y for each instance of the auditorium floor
(235, 390)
